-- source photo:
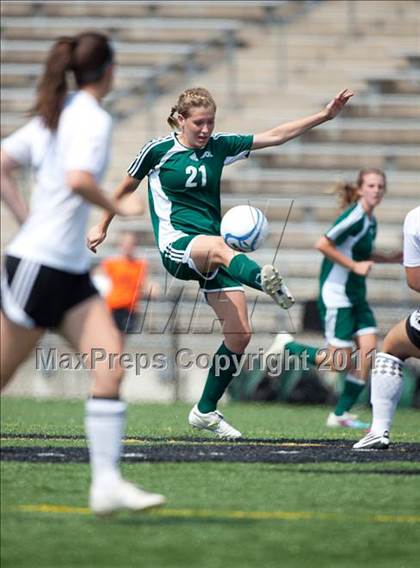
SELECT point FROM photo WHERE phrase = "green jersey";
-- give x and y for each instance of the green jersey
(353, 233)
(184, 183)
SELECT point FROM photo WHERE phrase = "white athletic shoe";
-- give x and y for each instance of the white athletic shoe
(373, 441)
(105, 499)
(214, 422)
(273, 285)
(346, 420)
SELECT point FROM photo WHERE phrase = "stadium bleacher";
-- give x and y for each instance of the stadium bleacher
(283, 66)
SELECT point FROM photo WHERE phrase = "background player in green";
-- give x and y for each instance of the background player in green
(184, 171)
(347, 317)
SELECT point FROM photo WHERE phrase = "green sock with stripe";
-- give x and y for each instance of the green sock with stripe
(246, 271)
(225, 363)
(296, 348)
(352, 388)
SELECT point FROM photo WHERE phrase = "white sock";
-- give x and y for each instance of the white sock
(105, 424)
(386, 387)
(353, 379)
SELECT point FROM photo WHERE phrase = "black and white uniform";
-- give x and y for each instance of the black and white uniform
(412, 259)
(47, 263)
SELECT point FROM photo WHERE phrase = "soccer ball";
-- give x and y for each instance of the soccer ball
(244, 228)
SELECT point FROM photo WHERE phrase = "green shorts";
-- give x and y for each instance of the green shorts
(177, 260)
(341, 325)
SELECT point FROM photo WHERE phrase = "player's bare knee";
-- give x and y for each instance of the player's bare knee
(238, 342)
(339, 360)
(221, 253)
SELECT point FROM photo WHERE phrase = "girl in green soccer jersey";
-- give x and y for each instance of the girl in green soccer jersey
(184, 171)
(347, 317)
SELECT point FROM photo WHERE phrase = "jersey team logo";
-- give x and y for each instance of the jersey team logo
(207, 154)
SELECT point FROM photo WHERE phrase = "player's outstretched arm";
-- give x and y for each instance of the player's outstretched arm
(289, 130)
(123, 202)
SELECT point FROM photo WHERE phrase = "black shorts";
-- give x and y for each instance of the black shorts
(34, 295)
(412, 326)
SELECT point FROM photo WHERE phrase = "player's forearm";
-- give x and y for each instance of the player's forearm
(12, 197)
(84, 184)
(295, 128)
(289, 130)
(387, 258)
(127, 186)
(332, 253)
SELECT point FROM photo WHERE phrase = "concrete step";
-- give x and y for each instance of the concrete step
(249, 11)
(383, 131)
(388, 106)
(306, 182)
(407, 82)
(129, 29)
(339, 156)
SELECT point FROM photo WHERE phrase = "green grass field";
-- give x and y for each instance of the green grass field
(218, 513)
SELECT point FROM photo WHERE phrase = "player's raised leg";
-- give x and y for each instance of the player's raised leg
(90, 329)
(209, 253)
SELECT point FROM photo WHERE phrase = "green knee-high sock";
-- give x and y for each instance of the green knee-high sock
(300, 348)
(225, 363)
(352, 388)
(246, 271)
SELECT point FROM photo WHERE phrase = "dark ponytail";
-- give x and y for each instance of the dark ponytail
(86, 55)
(52, 88)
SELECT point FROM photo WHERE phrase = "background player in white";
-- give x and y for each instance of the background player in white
(46, 283)
(184, 171)
(401, 342)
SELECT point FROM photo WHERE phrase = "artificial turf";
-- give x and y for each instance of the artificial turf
(218, 514)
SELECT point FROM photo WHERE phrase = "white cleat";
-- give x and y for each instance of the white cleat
(214, 422)
(106, 499)
(373, 441)
(273, 285)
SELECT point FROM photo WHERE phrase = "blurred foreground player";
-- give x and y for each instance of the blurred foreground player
(46, 282)
(401, 342)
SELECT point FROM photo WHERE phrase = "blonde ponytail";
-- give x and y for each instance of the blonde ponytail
(171, 120)
(348, 193)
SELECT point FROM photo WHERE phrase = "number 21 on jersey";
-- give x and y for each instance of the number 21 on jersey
(193, 177)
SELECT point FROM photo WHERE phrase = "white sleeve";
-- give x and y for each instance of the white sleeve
(19, 144)
(412, 238)
(88, 146)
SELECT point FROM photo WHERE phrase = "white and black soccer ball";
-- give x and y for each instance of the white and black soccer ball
(244, 228)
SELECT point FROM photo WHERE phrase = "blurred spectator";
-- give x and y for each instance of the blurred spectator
(127, 283)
